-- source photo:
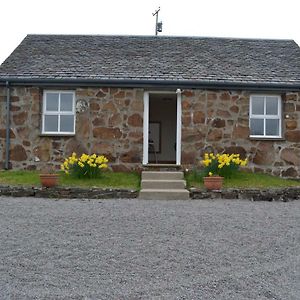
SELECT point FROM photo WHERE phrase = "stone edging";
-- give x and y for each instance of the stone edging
(285, 194)
(67, 192)
(276, 194)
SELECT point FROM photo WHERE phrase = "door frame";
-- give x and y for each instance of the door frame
(146, 125)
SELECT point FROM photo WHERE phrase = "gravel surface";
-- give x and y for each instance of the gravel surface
(135, 249)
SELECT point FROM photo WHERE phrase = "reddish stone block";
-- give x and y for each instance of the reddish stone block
(218, 123)
(291, 124)
(14, 108)
(120, 168)
(215, 135)
(135, 120)
(225, 96)
(188, 157)
(14, 99)
(223, 113)
(94, 106)
(100, 148)
(293, 136)
(115, 120)
(290, 172)
(18, 153)
(3, 134)
(131, 156)
(188, 93)
(186, 120)
(198, 117)
(186, 104)
(241, 132)
(74, 146)
(20, 118)
(109, 106)
(107, 133)
(191, 135)
(99, 122)
(291, 155)
(23, 133)
(234, 109)
(212, 96)
(137, 105)
(120, 94)
(135, 135)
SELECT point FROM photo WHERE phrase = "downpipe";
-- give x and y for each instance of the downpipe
(7, 144)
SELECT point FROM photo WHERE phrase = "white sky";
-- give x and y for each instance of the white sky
(218, 18)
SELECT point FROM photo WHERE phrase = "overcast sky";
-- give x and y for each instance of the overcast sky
(217, 18)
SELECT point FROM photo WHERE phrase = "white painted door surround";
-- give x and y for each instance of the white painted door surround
(146, 125)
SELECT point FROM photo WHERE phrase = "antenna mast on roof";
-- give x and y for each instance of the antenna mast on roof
(158, 25)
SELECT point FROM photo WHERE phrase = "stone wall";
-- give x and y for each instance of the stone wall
(219, 121)
(108, 121)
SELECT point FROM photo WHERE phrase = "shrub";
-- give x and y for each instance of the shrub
(88, 166)
(222, 164)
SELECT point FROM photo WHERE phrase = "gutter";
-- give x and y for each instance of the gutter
(152, 83)
(7, 141)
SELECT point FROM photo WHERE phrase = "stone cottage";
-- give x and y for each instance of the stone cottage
(151, 100)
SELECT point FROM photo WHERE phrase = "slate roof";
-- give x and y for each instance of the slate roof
(154, 59)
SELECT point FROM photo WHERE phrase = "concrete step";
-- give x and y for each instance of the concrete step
(162, 175)
(162, 184)
(158, 194)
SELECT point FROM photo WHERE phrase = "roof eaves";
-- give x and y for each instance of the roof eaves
(153, 83)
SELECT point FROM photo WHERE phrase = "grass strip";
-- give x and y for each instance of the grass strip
(107, 180)
(244, 180)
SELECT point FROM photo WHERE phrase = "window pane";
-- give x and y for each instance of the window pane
(257, 127)
(257, 105)
(51, 123)
(272, 106)
(66, 102)
(272, 127)
(52, 102)
(67, 123)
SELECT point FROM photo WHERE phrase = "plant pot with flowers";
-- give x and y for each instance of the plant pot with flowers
(48, 177)
(220, 166)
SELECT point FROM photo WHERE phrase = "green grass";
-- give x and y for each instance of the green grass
(244, 180)
(107, 180)
(132, 180)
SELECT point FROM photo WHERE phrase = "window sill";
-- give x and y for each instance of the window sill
(56, 134)
(251, 138)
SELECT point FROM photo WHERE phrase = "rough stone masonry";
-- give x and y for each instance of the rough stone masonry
(109, 121)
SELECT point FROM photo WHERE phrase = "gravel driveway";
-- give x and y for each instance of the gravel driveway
(134, 249)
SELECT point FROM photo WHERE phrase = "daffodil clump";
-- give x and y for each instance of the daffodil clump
(89, 166)
(222, 164)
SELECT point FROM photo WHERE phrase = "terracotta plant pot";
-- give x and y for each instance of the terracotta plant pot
(49, 180)
(213, 182)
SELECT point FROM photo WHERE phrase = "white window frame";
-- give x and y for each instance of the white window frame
(267, 117)
(58, 113)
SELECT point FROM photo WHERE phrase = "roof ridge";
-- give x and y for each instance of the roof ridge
(160, 37)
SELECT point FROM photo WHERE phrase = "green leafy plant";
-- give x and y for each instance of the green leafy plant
(85, 166)
(222, 164)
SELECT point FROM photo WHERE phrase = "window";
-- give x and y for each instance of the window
(58, 112)
(265, 116)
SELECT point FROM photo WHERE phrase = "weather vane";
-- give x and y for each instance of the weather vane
(158, 25)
